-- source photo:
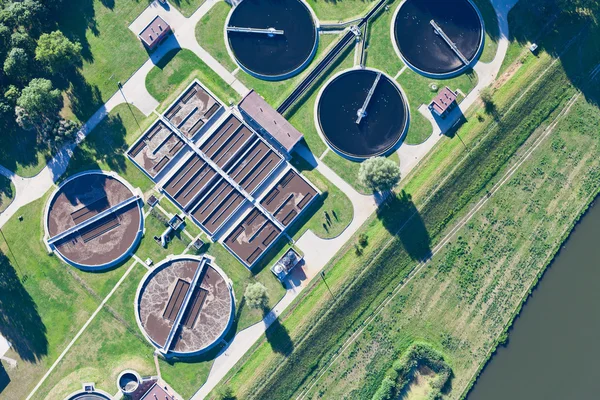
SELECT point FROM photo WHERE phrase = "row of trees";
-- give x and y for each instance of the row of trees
(34, 54)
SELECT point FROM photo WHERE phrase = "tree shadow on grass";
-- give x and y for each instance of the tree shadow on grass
(85, 99)
(565, 30)
(105, 144)
(401, 218)
(20, 322)
(77, 17)
(278, 336)
(4, 378)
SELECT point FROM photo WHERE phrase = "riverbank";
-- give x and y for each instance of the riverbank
(555, 329)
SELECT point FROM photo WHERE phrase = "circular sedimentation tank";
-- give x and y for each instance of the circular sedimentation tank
(438, 38)
(93, 220)
(185, 305)
(128, 381)
(285, 40)
(340, 106)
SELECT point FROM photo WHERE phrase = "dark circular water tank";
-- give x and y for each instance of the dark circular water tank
(382, 125)
(128, 382)
(272, 56)
(423, 48)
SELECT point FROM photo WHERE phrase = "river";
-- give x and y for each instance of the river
(553, 350)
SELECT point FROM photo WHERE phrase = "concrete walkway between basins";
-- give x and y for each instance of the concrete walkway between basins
(411, 155)
(133, 91)
(317, 253)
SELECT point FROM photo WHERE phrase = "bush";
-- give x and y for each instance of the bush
(256, 296)
(363, 239)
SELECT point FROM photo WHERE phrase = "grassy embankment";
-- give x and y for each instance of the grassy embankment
(496, 142)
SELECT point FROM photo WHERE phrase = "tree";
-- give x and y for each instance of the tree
(23, 41)
(225, 393)
(256, 296)
(26, 13)
(57, 52)
(38, 105)
(488, 100)
(4, 41)
(379, 174)
(17, 64)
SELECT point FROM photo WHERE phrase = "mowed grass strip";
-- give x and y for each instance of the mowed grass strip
(463, 185)
(179, 68)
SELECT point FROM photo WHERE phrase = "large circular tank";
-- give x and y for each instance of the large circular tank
(286, 40)
(93, 220)
(179, 318)
(438, 38)
(355, 132)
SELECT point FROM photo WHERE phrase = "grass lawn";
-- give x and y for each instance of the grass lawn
(110, 344)
(332, 202)
(104, 148)
(187, 7)
(42, 305)
(209, 33)
(149, 248)
(492, 32)
(301, 115)
(440, 201)
(168, 205)
(7, 192)
(417, 89)
(335, 11)
(21, 153)
(275, 92)
(185, 377)
(111, 52)
(380, 51)
(176, 70)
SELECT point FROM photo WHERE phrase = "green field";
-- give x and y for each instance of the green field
(441, 196)
(210, 34)
(176, 70)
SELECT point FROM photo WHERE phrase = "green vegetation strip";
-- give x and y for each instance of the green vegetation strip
(412, 242)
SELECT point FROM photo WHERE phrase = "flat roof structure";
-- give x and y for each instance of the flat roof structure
(93, 220)
(154, 32)
(252, 236)
(190, 180)
(217, 206)
(259, 111)
(184, 306)
(289, 197)
(444, 101)
(255, 166)
(192, 110)
(156, 148)
(228, 140)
